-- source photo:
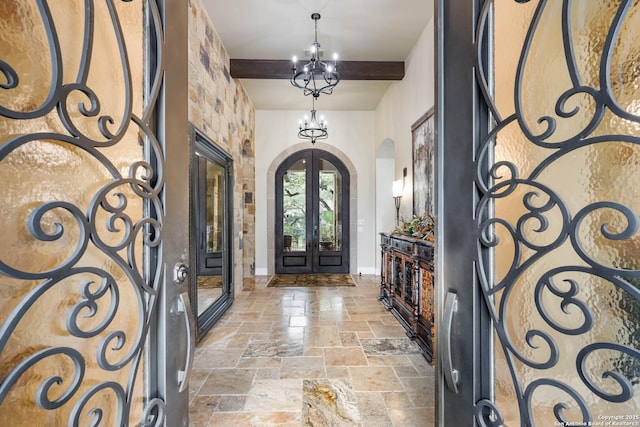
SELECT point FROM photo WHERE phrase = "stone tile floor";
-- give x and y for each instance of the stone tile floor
(321, 356)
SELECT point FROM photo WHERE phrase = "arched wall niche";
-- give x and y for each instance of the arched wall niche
(385, 175)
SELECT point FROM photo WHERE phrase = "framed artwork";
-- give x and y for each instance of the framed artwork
(423, 141)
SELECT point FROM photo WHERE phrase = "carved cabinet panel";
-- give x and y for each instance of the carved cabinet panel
(406, 288)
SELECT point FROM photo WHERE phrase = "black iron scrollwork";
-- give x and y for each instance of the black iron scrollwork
(106, 225)
(398, 278)
(543, 223)
(408, 282)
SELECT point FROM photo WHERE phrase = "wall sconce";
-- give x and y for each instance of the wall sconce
(398, 187)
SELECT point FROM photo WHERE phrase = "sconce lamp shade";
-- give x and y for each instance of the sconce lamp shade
(397, 188)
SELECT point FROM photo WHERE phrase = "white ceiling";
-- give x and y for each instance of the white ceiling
(358, 30)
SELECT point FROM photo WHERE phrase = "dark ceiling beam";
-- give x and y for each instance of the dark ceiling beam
(348, 70)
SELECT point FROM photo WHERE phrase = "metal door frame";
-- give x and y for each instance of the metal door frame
(313, 255)
(207, 150)
(463, 332)
(175, 347)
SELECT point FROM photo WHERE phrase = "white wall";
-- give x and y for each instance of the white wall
(404, 103)
(358, 134)
(385, 206)
(352, 133)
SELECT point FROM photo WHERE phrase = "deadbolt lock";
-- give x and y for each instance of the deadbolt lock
(180, 272)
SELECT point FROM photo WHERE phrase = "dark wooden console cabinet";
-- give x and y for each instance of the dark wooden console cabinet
(407, 286)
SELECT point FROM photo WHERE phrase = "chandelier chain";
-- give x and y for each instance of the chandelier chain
(316, 76)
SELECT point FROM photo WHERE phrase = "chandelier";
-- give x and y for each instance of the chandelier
(316, 76)
(312, 129)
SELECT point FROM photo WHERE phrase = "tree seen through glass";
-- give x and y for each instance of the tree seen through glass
(327, 202)
(294, 209)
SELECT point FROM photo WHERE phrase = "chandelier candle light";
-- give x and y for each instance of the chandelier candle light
(313, 129)
(316, 76)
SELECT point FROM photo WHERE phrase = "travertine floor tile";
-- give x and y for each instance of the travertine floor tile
(345, 356)
(268, 374)
(419, 390)
(377, 378)
(329, 403)
(397, 400)
(387, 331)
(416, 417)
(217, 358)
(227, 381)
(352, 325)
(322, 336)
(376, 421)
(406, 371)
(231, 403)
(238, 341)
(338, 372)
(196, 380)
(287, 333)
(349, 339)
(371, 404)
(302, 367)
(339, 345)
(255, 327)
(299, 321)
(245, 316)
(259, 362)
(218, 337)
(202, 409)
(393, 360)
(275, 396)
(270, 348)
(244, 419)
(389, 346)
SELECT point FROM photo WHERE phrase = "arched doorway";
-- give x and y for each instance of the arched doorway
(312, 214)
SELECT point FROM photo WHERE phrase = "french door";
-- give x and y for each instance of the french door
(212, 290)
(312, 214)
(538, 158)
(95, 325)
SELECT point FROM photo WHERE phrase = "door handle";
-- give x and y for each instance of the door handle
(184, 306)
(450, 375)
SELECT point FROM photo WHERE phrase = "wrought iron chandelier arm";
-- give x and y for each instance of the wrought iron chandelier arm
(316, 76)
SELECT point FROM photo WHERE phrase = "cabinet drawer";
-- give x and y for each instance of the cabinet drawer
(402, 246)
(425, 252)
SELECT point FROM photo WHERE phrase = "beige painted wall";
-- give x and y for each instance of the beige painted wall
(404, 103)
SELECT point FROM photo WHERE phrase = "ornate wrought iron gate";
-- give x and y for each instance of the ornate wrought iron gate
(83, 266)
(549, 333)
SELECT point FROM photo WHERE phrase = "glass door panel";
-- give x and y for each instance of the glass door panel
(294, 200)
(570, 272)
(329, 207)
(210, 261)
(214, 209)
(549, 334)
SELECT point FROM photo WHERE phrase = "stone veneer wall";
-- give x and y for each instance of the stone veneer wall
(220, 108)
